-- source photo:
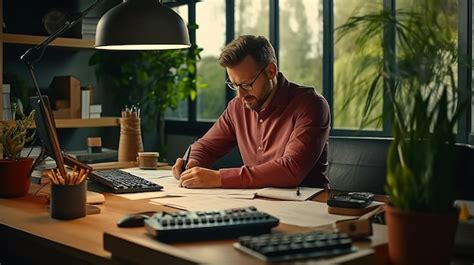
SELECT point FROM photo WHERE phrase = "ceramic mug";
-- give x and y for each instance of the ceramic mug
(148, 160)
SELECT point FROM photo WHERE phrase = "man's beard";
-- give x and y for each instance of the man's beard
(260, 101)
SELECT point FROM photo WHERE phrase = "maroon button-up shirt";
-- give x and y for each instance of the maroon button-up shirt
(283, 145)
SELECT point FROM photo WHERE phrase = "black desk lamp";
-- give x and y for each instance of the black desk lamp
(131, 25)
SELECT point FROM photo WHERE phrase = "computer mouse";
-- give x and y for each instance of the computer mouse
(134, 220)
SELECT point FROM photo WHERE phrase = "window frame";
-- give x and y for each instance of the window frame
(198, 128)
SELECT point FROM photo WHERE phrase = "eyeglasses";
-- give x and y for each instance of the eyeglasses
(244, 86)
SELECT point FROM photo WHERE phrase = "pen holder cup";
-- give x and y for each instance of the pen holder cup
(148, 160)
(130, 142)
(68, 201)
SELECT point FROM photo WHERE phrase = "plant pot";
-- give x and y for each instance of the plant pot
(15, 177)
(420, 238)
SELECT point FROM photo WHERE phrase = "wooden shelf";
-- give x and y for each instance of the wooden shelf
(87, 123)
(59, 42)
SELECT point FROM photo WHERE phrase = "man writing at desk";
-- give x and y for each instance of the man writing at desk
(281, 128)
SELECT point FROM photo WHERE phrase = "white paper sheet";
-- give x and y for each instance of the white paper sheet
(171, 187)
(306, 214)
(149, 174)
(289, 194)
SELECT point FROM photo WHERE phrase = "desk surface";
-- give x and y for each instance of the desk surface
(26, 221)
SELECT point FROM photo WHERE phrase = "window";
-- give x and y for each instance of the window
(210, 17)
(301, 39)
(180, 113)
(298, 29)
(252, 17)
(348, 104)
(447, 15)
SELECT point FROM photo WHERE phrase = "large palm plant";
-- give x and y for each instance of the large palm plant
(419, 78)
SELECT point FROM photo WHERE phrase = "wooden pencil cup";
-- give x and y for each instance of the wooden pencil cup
(68, 201)
(130, 139)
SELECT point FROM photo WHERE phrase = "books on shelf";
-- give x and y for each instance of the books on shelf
(39, 177)
(39, 174)
(85, 103)
(7, 108)
(89, 26)
(107, 155)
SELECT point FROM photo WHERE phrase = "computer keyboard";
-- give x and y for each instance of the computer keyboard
(206, 225)
(285, 247)
(119, 181)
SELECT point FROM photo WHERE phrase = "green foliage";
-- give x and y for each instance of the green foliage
(14, 136)
(350, 68)
(19, 90)
(211, 100)
(420, 81)
(156, 80)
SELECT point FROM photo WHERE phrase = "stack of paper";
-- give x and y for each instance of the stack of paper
(306, 214)
(171, 188)
(290, 207)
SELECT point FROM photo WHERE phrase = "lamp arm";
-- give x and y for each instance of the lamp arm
(35, 54)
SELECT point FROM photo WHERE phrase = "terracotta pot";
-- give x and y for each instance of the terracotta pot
(15, 177)
(420, 238)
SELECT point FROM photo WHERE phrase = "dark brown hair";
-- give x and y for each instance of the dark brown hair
(258, 47)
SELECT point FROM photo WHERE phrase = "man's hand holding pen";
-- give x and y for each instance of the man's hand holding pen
(195, 176)
(190, 175)
(177, 168)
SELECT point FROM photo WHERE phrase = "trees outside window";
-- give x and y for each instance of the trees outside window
(296, 31)
(301, 42)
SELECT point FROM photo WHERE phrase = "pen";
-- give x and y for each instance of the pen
(188, 152)
(298, 191)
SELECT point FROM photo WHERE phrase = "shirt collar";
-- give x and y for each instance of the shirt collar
(280, 98)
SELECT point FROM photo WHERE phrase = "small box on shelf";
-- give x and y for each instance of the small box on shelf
(67, 92)
(95, 111)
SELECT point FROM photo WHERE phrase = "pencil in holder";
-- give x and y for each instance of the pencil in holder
(130, 142)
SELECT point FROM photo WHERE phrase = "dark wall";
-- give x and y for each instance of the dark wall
(56, 61)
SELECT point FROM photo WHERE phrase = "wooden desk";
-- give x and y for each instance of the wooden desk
(29, 236)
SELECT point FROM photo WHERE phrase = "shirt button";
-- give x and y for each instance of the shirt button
(261, 120)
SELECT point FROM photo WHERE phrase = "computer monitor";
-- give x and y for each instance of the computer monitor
(46, 131)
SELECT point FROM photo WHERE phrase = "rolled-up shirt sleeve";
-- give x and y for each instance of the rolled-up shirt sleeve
(217, 142)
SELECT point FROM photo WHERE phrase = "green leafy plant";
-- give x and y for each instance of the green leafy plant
(19, 90)
(156, 80)
(14, 135)
(419, 78)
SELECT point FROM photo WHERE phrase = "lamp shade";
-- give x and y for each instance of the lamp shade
(141, 25)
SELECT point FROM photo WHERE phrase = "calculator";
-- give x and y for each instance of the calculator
(350, 199)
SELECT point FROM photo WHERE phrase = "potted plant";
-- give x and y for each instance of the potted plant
(420, 81)
(156, 80)
(14, 169)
